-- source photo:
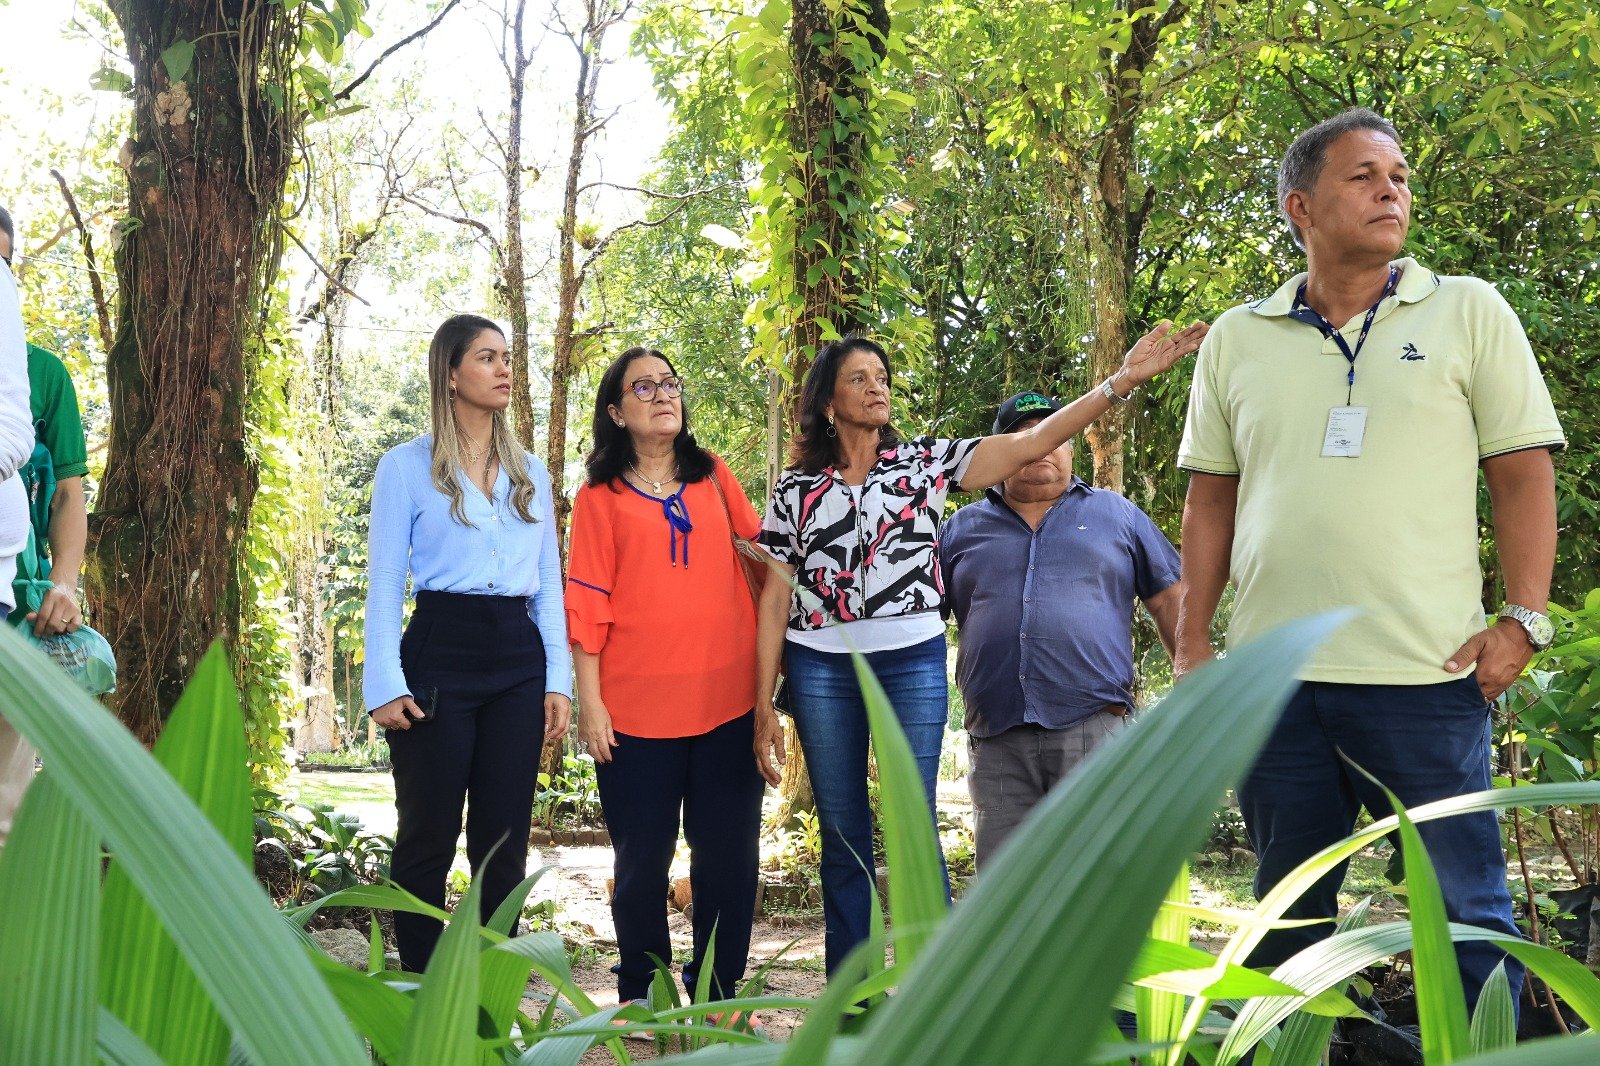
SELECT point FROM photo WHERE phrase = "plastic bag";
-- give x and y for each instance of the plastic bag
(84, 654)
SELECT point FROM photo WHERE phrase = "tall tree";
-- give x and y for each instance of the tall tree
(812, 79)
(515, 57)
(506, 244)
(579, 244)
(219, 92)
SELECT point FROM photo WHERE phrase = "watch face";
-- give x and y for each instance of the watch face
(1541, 631)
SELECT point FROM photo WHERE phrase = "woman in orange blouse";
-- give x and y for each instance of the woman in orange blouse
(663, 635)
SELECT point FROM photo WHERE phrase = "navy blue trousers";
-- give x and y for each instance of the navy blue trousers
(1425, 743)
(485, 657)
(712, 780)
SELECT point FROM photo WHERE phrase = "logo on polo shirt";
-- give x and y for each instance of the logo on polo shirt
(1410, 354)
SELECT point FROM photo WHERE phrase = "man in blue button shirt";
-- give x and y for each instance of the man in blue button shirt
(1041, 576)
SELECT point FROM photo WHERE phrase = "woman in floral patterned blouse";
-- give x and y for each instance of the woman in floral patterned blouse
(854, 521)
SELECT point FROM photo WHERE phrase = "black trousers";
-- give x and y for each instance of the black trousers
(712, 779)
(484, 656)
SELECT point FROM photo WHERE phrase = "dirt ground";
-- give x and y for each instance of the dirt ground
(575, 880)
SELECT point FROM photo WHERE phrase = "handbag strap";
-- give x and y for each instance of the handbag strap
(739, 554)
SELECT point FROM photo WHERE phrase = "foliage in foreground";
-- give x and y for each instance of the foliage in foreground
(142, 966)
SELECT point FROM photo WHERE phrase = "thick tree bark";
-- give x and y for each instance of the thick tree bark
(206, 169)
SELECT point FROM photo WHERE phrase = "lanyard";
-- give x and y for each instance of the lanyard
(1309, 315)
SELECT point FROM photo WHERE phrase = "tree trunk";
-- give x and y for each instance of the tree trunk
(1113, 231)
(319, 728)
(206, 169)
(827, 235)
(599, 16)
(515, 281)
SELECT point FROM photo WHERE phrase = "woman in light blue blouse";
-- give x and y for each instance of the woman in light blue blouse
(481, 679)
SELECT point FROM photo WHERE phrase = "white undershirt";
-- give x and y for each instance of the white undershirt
(872, 634)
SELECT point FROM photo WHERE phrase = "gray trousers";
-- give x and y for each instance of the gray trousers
(1011, 772)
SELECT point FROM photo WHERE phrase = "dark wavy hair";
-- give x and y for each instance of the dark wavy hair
(812, 449)
(613, 447)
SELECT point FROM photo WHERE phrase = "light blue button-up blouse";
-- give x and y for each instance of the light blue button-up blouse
(413, 533)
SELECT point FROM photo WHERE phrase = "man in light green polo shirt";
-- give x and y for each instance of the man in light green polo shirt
(1334, 437)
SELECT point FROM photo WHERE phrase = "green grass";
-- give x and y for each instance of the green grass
(342, 790)
(1230, 886)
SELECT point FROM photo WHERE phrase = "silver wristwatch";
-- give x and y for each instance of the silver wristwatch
(1111, 394)
(1541, 631)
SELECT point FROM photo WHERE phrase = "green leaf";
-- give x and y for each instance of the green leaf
(386, 896)
(161, 838)
(1305, 1035)
(505, 916)
(110, 79)
(1295, 884)
(117, 1045)
(1441, 1002)
(1553, 1051)
(143, 977)
(1236, 918)
(503, 977)
(49, 925)
(810, 1044)
(379, 1011)
(547, 954)
(911, 844)
(1137, 826)
(567, 1045)
(444, 1026)
(1189, 971)
(1332, 961)
(178, 58)
(1160, 1011)
(1494, 1023)
(375, 953)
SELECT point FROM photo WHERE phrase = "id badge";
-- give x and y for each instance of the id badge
(1346, 427)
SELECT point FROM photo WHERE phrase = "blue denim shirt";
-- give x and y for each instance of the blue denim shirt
(1046, 614)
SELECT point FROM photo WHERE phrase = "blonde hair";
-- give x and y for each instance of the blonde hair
(450, 343)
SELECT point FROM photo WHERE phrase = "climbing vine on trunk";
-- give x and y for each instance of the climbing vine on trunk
(812, 76)
(219, 95)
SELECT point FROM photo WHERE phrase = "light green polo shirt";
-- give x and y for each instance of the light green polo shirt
(1448, 378)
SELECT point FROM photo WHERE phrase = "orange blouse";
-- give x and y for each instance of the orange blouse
(667, 611)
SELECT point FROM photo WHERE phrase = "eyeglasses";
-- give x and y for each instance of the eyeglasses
(645, 388)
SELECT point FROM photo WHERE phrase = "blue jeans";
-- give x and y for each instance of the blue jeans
(1425, 742)
(831, 718)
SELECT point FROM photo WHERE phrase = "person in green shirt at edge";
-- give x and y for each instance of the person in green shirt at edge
(58, 426)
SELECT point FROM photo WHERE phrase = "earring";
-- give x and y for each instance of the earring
(620, 422)
(830, 430)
